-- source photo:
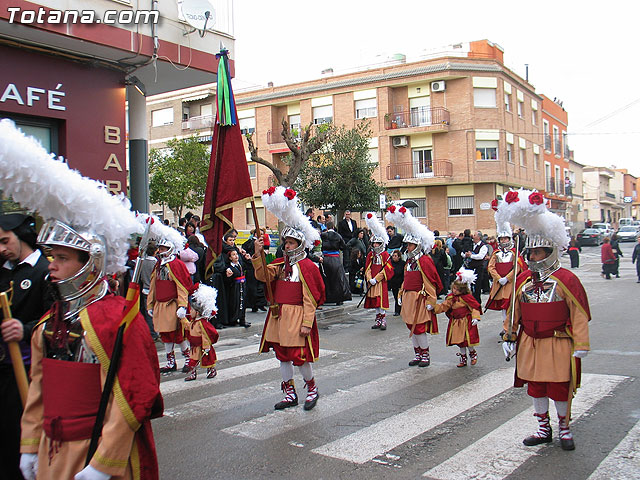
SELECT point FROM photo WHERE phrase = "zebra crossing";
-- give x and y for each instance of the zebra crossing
(382, 438)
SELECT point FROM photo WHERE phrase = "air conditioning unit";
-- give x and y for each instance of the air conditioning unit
(401, 141)
(438, 86)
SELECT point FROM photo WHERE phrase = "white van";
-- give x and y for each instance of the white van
(625, 221)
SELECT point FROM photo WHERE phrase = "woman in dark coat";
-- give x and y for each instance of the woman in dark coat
(615, 246)
(336, 285)
(356, 269)
(395, 282)
(574, 252)
(439, 259)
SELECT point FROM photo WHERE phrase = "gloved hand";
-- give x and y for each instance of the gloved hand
(474, 322)
(373, 281)
(29, 465)
(150, 312)
(429, 307)
(580, 353)
(90, 473)
(400, 301)
(181, 312)
(503, 281)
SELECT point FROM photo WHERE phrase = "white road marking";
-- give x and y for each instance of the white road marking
(623, 461)
(282, 421)
(499, 453)
(225, 374)
(222, 354)
(366, 444)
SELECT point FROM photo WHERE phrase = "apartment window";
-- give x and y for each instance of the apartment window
(366, 108)
(534, 117)
(294, 122)
(507, 102)
(422, 163)
(547, 136)
(247, 125)
(484, 97)
(536, 161)
(323, 114)
(185, 113)
(164, 116)
(559, 181)
(523, 157)
(420, 108)
(421, 210)
(249, 216)
(252, 170)
(206, 109)
(459, 206)
(557, 142)
(520, 109)
(486, 149)
(509, 153)
(566, 145)
(374, 156)
(549, 180)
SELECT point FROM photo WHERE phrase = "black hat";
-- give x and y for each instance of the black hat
(24, 226)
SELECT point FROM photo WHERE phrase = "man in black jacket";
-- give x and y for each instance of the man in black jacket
(24, 265)
(347, 229)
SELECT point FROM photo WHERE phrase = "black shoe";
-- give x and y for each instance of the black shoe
(567, 444)
(254, 309)
(339, 303)
(262, 309)
(309, 404)
(397, 314)
(414, 362)
(533, 440)
(245, 324)
(283, 404)
(186, 368)
(373, 327)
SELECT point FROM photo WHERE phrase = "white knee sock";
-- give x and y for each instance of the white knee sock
(504, 315)
(379, 311)
(561, 408)
(184, 345)
(423, 340)
(168, 347)
(471, 349)
(414, 341)
(306, 370)
(463, 350)
(286, 370)
(541, 405)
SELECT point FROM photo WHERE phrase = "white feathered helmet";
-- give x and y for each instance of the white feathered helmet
(415, 232)
(503, 227)
(203, 300)
(464, 275)
(379, 233)
(79, 212)
(163, 235)
(284, 204)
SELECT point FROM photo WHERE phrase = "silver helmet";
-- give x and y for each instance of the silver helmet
(507, 245)
(375, 239)
(87, 285)
(542, 269)
(167, 255)
(297, 253)
(417, 241)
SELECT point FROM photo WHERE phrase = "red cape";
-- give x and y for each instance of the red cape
(137, 386)
(386, 263)
(428, 268)
(179, 270)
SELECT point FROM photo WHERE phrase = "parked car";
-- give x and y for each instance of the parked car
(628, 233)
(590, 236)
(605, 228)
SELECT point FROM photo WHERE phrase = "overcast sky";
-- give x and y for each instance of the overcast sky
(582, 52)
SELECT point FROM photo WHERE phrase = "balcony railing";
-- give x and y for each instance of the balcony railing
(417, 117)
(195, 123)
(421, 169)
(551, 185)
(558, 187)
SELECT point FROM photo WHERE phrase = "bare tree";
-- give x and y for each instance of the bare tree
(302, 147)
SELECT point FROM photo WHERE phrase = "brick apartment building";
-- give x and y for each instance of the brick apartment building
(450, 131)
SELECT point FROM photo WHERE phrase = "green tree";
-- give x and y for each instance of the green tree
(178, 174)
(340, 174)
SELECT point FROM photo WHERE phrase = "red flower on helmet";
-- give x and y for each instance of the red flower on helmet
(317, 243)
(290, 193)
(536, 198)
(494, 204)
(369, 215)
(392, 209)
(511, 197)
(269, 191)
(402, 210)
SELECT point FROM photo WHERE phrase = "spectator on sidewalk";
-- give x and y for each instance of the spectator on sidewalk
(608, 258)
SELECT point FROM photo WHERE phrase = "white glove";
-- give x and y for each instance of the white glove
(474, 322)
(580, 353)
(429, 307)
(29, 465)
(150, 312)
(90, 473)
(181, 312)
(400, 301)
(509, 349)
(373, 281)
(503, 281)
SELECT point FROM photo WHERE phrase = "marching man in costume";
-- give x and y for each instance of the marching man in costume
(168, 297)
(550, 315)
(377, 271)
(202, 334)
(297, 287)
(87, 232)
(501, 266)
(421, 283)
(464, 313)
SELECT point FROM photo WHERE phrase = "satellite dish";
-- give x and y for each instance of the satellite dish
(200, 14)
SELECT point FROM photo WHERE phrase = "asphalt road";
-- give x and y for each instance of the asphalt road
(378, 418)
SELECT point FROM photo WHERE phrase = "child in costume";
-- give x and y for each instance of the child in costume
(202, 334)
(377, 271)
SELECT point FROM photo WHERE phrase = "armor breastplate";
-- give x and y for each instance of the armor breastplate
(504, 257)
(76, 347)
(376, 259)
(163, 272)
(413, 266)
(544, 292)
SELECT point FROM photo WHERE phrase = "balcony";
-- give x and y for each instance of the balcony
(434, 119)
(608, 198)
(197, 123)
(557, 187)
(421, 169)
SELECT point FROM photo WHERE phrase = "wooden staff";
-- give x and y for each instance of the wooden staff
(262, 254)
(14, 350)
(510, 335)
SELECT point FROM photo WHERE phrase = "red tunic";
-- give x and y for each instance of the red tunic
(378, 294)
